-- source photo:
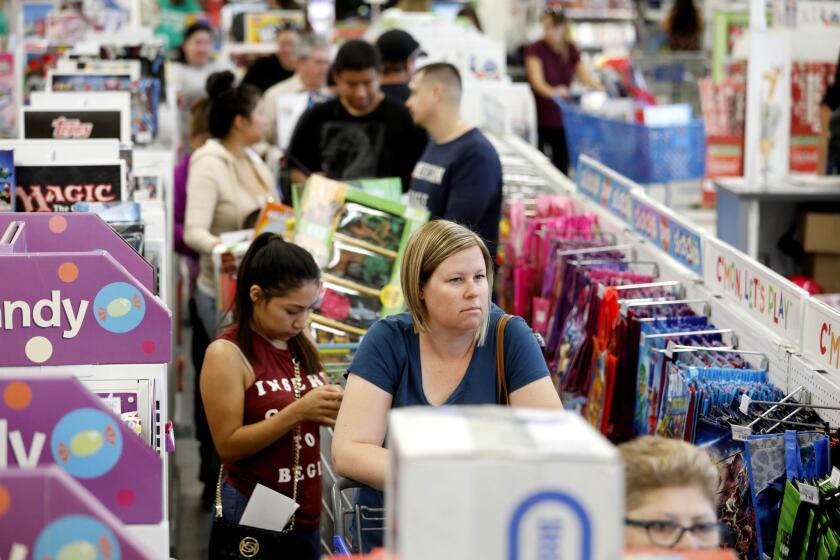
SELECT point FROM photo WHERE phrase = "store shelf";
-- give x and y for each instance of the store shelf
(576, 14)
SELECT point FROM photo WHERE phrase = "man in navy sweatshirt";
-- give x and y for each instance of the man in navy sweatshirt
(459, 175)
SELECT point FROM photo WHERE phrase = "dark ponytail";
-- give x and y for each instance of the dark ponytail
(277, 268)
(228, 101)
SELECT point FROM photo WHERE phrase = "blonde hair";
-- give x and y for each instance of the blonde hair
(658, 462)
(429, 246)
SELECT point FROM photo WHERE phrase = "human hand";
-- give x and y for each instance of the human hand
(562, 91)
(321, 404)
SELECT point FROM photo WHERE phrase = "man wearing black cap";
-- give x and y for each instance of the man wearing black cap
(399, 50)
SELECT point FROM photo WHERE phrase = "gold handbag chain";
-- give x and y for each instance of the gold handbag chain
(296, 384)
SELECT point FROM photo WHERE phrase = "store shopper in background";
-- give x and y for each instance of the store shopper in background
(273, 68)
(198, 133)
(399, 52)
(227, 180)
(312, 64)
(442, 351)
(192, 65)
(459, 175)
(671, 490)
(265, 393)
(551, 64)
(684, 26)
(362, 133)
(829, 148)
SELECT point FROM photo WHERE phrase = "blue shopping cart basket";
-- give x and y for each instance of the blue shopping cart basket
(645, 154)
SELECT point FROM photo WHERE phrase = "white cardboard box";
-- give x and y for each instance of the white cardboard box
(495, 483)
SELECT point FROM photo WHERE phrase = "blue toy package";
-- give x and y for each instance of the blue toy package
(7, 181)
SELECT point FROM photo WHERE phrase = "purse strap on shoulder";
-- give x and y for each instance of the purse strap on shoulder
(502, 395)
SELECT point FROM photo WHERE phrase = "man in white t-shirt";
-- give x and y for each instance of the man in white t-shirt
(312, 57)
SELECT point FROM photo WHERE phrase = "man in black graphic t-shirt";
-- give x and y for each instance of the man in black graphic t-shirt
(361, 134)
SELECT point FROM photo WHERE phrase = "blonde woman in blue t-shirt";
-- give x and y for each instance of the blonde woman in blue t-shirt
(442, 351)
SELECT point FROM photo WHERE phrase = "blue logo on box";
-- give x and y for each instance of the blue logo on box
(550, 527)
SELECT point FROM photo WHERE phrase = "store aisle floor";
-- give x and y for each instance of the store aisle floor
(190, 540)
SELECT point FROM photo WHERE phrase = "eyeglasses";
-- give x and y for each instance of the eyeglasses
(667, 534)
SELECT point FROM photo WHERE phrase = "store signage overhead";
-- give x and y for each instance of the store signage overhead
(768, 297)
(55, 188)
(663, 229)
(821, 336)
(70, 124)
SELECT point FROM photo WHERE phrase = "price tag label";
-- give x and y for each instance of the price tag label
(809, 494)
(745, 404)
(740, 433)
(835, 477)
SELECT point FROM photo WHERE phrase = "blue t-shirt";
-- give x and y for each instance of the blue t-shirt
(461, 181)
(389, 357)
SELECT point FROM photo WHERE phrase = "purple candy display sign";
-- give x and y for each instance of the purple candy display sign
(68, 522)
(76, 308)
(55, 420)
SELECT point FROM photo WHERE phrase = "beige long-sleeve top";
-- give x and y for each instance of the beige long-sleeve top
(222, 191)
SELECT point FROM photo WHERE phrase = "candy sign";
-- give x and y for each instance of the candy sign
(821, 337)
(76, 307)
(69, 427)
(775, 302)
(68, 522)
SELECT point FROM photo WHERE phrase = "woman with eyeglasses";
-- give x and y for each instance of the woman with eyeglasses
(671, 494)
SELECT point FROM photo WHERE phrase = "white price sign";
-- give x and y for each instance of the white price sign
(835, 477)
(809, 494)
(821, 337)
(741, 433)
(772, 300)
(745, 404)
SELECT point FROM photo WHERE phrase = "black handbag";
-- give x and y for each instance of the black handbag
(231, 541)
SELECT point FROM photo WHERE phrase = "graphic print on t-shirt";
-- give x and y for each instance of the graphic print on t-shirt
(351, 150)
(427, 172)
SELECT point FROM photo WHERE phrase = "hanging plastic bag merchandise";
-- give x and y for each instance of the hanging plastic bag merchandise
(772, 459)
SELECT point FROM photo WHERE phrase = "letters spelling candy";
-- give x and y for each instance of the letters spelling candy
(45, 313)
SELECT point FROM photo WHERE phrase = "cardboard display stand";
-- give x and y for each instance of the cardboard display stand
(69, 522)
(69, 426)
(88, 233)
(77, 310)
(81, 307)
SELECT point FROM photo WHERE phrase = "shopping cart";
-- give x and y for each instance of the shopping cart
(367, 519)
(645, 154)
(672, 77)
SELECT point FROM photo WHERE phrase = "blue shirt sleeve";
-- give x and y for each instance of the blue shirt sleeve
(524, 362)
(381, 356)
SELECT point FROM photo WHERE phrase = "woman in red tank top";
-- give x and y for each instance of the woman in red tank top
(262, 385)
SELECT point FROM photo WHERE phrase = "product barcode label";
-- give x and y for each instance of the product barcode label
(740, 433)
(809, 494)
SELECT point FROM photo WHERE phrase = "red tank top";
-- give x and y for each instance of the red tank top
(272, 467)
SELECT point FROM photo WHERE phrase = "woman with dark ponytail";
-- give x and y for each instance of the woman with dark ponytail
(265, 393)
(227, 180)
